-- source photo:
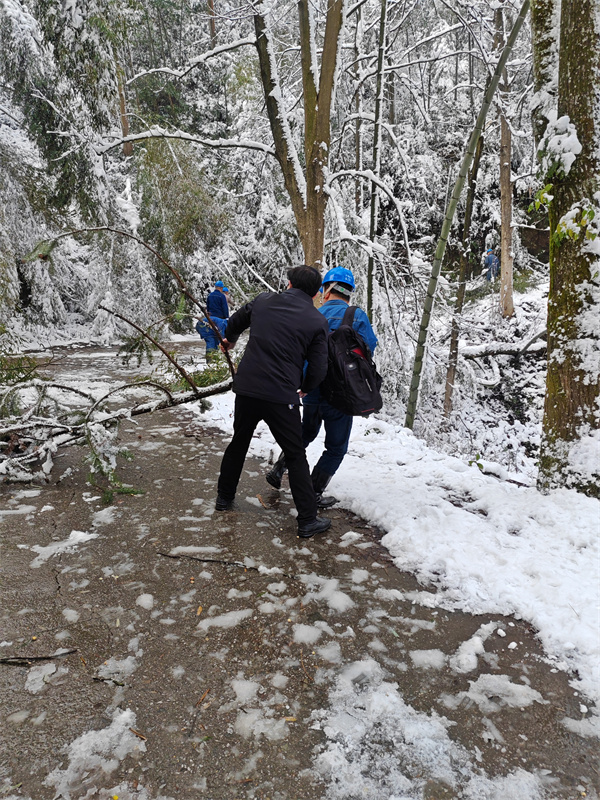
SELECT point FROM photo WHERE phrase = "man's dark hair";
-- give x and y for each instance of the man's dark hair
(308, 279)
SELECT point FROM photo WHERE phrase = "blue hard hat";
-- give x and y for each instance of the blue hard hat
(225, 289)
(339, 275)
(220, 285)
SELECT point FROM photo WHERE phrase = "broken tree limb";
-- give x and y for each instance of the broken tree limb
(48, 245)
(184, 374)
(42, 435)
(504, 348)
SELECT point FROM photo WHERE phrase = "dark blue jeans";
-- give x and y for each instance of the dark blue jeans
(337, 433)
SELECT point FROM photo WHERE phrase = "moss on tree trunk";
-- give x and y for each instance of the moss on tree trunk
(572, 406)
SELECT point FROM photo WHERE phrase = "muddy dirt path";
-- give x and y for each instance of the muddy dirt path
(152, 648)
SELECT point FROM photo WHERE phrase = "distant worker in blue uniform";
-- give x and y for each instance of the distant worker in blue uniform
(491, 264)
(218, 309)
(338, 285)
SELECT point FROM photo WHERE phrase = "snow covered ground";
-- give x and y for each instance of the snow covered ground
(486, 544)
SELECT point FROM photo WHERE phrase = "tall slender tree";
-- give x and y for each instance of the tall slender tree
(377, 151)
(507, 308)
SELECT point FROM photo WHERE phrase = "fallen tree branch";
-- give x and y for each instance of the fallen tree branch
(505, 348)
(43, 253)
(187, 378)
(20, 661)
(44, 435)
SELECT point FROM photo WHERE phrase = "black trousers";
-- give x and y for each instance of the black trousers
(285, 425)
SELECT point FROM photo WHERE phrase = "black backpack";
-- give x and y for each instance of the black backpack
(352, 382)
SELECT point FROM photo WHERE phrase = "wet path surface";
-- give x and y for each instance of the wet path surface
(217, 655)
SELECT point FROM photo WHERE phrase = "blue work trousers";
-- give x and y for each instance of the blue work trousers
(337, 433)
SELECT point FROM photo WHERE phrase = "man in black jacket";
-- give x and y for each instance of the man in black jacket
(286, 330)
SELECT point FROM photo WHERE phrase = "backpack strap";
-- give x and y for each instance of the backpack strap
(348, 318)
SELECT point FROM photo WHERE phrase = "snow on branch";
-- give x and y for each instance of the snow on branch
(370, 175)
(29, 442)
(195, 62)
(505, 348)
(156, 132)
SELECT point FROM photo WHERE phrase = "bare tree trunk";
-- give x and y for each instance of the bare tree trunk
(507, 308)
(305, 187)
(128, 146)
(358, 136)
(376, 151)
(212, 23)
(569, 454)
(465, 257)
(506, 232)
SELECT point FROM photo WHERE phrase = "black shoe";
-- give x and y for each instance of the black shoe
(326, 501)
(320, 481)
(221, 504)
(276, 474)
(316, 526)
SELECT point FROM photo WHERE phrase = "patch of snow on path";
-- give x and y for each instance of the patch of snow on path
(489, 546)
(66, 546)
(95, 754)
(381, 748)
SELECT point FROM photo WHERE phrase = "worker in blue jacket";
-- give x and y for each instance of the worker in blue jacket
(218, 309)
(338, 285)
(216, 302)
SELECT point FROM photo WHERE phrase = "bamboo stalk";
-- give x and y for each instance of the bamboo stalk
(449, 216)
(376, 151)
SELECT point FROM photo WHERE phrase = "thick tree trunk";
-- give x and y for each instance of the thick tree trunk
(465, 257)
(544, 37)
(306, 188)
(571, 426)
(507, 308)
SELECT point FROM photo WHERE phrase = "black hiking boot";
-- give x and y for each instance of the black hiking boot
(318, 525)
(276, 474)
(222, 504)
(320, 481)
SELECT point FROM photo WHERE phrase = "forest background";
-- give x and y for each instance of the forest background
(237, 139)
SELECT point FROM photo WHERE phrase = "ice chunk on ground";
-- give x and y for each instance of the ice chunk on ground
(66, 546)
(145, 601)
(245, 691)
(306, 634)
(116, 670)
(499, 687)
(229, 620)
(428, 659)
(465, 658)
(36, 677)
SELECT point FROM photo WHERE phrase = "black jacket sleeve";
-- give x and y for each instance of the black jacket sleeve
(317, 361)
(239, 322)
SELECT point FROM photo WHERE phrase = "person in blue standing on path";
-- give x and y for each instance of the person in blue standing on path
(218, 309)
(338, 285)
(491, 264)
